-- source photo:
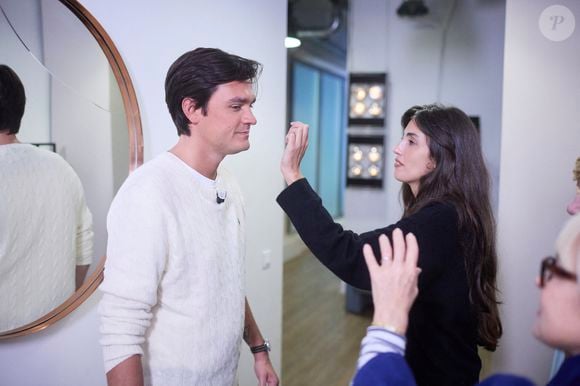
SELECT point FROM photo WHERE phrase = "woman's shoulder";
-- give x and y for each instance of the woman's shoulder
(436, 210)
(435, 220)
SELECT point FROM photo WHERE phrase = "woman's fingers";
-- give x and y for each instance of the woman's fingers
(370, 258)
(386, 250)
(403, 252)
(398, 245)
(295, 140)
(412, 252)
(291, 139)
(299, 136)
(301, 131)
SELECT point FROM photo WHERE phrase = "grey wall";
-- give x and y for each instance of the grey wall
(539, 145)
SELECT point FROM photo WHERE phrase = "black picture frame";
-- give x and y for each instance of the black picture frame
(46, 145)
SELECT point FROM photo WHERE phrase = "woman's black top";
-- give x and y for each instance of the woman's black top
(442, 332)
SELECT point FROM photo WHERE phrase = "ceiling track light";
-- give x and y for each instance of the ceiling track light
(412, 8)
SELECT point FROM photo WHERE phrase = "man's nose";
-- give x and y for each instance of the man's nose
(250, 118)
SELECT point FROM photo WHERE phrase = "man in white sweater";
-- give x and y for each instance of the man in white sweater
(46, 228)
(173, 310)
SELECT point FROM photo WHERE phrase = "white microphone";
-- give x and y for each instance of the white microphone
(220, 196)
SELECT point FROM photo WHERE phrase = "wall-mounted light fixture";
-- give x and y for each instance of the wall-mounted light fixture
(367, 100)
(365, 161)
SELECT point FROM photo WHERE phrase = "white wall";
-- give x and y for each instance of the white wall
(65, 104)
(25, 17)
(149, 36)
(80, 105)
(409, 51)
(540, 142)
(366, 208)
(65, 354)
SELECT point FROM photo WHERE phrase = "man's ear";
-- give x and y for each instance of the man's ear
(190, 110)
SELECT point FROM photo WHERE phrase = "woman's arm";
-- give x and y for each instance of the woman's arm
(338, 249)
(435, 225)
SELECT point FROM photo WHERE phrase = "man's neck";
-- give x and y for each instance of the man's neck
(6, 139)
(196, 156)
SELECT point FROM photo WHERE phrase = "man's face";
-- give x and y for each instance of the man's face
(226, 127)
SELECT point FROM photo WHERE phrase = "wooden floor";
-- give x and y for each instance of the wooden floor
(320, 339)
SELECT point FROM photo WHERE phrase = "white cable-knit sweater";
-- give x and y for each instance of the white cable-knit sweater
(174, 276)
(45, 232)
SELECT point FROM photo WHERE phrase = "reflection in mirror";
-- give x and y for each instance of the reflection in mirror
(73, 103)
(37, 274)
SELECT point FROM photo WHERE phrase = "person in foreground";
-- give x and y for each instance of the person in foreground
(572, 208)
(445, 189)
(173, 310)
(574, 205)
(394, 287)
(46, 228)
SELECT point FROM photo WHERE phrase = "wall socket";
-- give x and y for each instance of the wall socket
(266, 259)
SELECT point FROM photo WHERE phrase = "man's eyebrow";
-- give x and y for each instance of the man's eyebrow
(243, 100)
(411, 135)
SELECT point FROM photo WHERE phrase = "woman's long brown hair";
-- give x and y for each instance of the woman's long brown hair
(461, 177)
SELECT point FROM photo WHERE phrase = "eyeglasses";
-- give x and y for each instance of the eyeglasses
(549, 268)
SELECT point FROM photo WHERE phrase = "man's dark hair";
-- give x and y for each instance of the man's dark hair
(12, 100)
(197, 74)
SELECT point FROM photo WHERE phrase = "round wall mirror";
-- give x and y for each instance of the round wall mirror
(80, 103)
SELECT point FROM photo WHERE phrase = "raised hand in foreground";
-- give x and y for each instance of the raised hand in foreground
(394, 280)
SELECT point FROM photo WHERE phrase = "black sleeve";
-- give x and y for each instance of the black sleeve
(341, 250)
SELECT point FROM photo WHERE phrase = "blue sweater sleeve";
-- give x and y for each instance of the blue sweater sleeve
(506, 380)
(386, 369)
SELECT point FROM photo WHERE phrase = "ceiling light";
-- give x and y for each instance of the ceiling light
(292, 42)
(412, 8)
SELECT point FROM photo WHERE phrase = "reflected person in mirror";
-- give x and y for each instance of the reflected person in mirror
(46, 236)
(174, 310)
(381, 360)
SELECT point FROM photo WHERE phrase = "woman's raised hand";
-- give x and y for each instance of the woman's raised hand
(394, 280)
(296, 144)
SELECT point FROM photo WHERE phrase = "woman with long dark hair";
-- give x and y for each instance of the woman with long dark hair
(445, 190)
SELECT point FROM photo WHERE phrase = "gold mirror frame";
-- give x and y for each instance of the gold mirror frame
(135, 159)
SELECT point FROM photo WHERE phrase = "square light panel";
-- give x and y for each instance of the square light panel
(367, 99)
(365, 161)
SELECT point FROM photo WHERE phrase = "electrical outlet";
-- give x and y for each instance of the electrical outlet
(266, 259)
